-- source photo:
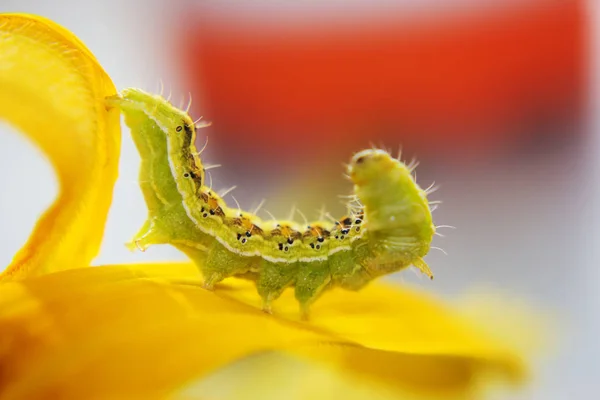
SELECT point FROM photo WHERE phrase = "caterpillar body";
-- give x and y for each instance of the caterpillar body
(389, 229)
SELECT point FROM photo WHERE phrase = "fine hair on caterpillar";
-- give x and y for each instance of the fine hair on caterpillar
(388, 228)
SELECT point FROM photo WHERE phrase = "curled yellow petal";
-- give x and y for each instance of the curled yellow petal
(147, 331)
(52, 90)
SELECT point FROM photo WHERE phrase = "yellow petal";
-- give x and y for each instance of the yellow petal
(52, 89)
(148, 330)
(281, 376)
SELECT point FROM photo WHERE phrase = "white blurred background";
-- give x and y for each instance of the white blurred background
(527, 220)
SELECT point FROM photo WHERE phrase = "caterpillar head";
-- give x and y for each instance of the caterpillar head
(396, 208)
(369, 165)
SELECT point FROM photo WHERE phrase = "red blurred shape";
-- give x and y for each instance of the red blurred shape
(469, 80)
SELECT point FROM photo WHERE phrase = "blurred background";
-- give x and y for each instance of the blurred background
(496, 98)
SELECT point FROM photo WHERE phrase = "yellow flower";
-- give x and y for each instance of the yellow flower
(147, 331)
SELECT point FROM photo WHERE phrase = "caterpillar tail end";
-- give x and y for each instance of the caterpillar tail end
(211, 280)
(423, 267)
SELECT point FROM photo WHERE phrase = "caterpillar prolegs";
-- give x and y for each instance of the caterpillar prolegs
(389, 226)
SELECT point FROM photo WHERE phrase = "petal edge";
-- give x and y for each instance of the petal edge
(52, 89)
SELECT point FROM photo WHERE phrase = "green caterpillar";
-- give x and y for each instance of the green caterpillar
(391, 228)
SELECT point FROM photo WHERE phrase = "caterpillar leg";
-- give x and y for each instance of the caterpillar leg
(222, 263)
(311, 281)
(273, 280)
(423, 267)
(148, 235)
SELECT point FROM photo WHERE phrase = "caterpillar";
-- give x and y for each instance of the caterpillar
(388, 228)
